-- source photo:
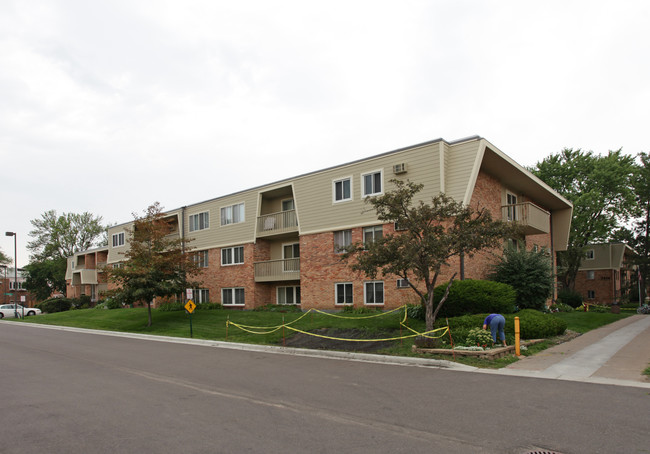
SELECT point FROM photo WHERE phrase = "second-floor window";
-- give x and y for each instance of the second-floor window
(118, 239)
(201, 259)
(232, 255)
(589, 255)
(199, 221)
(342, 239)
(372, 234)
(232, 214)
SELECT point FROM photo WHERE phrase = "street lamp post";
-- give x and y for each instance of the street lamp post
(4, 284)
(15, 274)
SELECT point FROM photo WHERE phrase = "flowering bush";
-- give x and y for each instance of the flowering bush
(478, 337)
(645, 309)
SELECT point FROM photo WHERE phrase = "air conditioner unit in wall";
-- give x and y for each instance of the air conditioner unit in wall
(399, 168)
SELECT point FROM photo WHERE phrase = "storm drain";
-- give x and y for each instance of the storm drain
(542, 451)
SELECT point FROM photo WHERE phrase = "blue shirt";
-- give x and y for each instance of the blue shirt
(488, 319)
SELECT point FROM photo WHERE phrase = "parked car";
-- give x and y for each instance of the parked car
(8, 310)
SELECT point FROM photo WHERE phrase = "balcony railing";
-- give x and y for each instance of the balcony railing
(277, 270)
(274, 223)
(529, 216)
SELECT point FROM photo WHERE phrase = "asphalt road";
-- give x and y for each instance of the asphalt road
(69, 392)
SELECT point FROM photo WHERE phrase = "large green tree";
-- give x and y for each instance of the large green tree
(431, 234)
(156, 263)
(640, 238)
(55, 238)
(600, 188)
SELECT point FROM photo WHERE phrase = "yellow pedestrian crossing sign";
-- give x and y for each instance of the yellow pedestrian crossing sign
(190, 306)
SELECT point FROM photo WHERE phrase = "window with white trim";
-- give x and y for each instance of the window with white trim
(200, 259)
(372, 234)
(199, 221)
(288, 295)
(589, 255)
(233, 296)
(118, 239)
(591, 275)
(371, 183)
(342, 189)
(288, 205)
(232, 255)
(13, 286)
(373, 293)
(344, 293)
(511, 202)
(201, 295)
(342, 239)
(403, 283)
(233, 214)
(591, 294)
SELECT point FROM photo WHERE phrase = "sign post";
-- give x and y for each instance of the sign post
(189, 307)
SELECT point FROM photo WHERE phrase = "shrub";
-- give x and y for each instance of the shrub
(536, 325)
(82, 302)
(573, 299)
(53, 305)
(361, 310)
(529, 273)
(208, 306)
(171, 307)
(475, 297)
(561, 307)
(415, 311)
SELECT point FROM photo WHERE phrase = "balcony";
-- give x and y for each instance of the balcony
(83, 277)
(277, 223)
(277, 270)
(529, 216)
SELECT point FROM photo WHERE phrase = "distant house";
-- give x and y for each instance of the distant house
(14, 291)
(604, 276)
(281, 243)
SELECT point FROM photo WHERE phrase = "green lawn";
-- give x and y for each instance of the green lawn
(582, 322)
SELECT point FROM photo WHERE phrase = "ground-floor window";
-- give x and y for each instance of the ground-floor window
(374, 292)
(289, 295)
(232, 296)
(344, 293)
(201, 295)
(591, 294)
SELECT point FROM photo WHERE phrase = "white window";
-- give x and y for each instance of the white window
(373, 293)
(232, 255)
(372, 183)
(232, 214)
(201, 295)
(372, 234)
(344, 293)
(591, 294)
(289, 295)
(201, 259)
(342, 189)
(342, 239)
(591, 275)
(232, 296)
(118, 239)
(72, 264)
(402, 283)
(589, 255)
(199, 221)
(288, 205)
(12, 285)
(118, 265)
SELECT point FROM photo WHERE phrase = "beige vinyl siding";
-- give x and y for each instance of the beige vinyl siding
(117, 254)
(463, 166)
(228, 235)
(314, 193)
(606, 256)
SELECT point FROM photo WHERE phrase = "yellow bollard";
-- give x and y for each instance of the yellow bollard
(517, 349)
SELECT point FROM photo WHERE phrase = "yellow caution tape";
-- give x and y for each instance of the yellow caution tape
(350, 317)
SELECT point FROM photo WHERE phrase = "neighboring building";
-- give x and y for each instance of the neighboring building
(279, 243)
(85, 274)
(605, 274)
(12, 290)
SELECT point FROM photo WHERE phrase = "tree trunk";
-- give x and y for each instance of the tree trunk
(430, 313)
(149, 311)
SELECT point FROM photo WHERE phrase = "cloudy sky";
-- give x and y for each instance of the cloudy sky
(109, 106)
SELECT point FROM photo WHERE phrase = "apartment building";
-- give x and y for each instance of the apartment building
(13, 291)
(605, 273)
(280, 243)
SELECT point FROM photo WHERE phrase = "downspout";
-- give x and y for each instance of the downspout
(553, 260)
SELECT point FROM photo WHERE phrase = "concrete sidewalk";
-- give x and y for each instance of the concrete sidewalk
(616, 353)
